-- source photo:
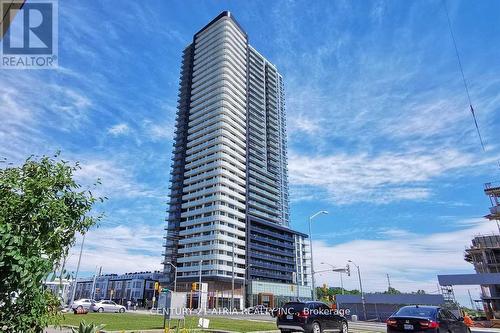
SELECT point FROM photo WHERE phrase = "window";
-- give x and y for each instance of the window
(413, 311)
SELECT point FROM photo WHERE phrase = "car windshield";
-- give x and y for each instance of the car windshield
(417, 312)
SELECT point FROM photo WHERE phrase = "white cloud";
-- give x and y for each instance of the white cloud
(119, 249)
(303, 124)
(379, 178)
(413, 260)
(159, 131)
(27, 113)
(116, 180)
(119, 129)
(370, 99)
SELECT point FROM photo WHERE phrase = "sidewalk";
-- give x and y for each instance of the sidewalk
(485, 330)
(56, 330)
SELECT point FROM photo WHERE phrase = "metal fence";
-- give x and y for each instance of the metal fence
(374, 311)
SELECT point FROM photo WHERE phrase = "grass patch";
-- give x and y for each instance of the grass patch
(131, 321)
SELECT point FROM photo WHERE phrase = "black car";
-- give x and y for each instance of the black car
(428, 319)
(310, 317)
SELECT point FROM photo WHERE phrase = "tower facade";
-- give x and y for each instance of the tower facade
(228, 213)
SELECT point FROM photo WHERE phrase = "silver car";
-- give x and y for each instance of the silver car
(80, 304)
(107, 306)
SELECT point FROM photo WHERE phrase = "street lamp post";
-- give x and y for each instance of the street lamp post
(232, 283)
(247, 279)
(199, 287)
(295, 280)
(341, 283)
(175, 275)
(311, 249)
(361, 289)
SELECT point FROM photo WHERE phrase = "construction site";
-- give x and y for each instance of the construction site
(484, 255)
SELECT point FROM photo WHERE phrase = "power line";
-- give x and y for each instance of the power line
(463, 75)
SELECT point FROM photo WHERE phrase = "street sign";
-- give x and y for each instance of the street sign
(173, 304)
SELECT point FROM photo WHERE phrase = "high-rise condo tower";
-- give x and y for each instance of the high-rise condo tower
(228, 215)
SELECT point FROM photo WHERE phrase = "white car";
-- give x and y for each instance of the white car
(83, 303)
(107, 306)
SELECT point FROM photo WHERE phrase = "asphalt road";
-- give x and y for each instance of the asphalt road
(355, 327)
(368, 327)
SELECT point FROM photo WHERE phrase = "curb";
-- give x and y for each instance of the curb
(162, 331)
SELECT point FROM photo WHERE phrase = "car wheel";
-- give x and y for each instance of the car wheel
(316, 328)
(122, 310)
(345, 328)
(100, 310)
(79, 308)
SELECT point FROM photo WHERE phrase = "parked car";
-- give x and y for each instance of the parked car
(310, 317)
(82, 304)
(429, 319)
(107, 306)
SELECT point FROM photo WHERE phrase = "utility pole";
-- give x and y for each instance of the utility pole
(76, 275)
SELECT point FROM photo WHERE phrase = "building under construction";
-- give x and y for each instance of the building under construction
(484, 254)
(493, 192)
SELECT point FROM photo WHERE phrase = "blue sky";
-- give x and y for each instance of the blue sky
(380, 134)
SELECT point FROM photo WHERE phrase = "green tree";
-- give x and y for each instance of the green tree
(42, 208)
(327, 294)
(392, 291)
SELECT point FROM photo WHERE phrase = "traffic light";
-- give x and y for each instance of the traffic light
(194, 286)
(348, 270)
(165, 290)
(157, 285)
